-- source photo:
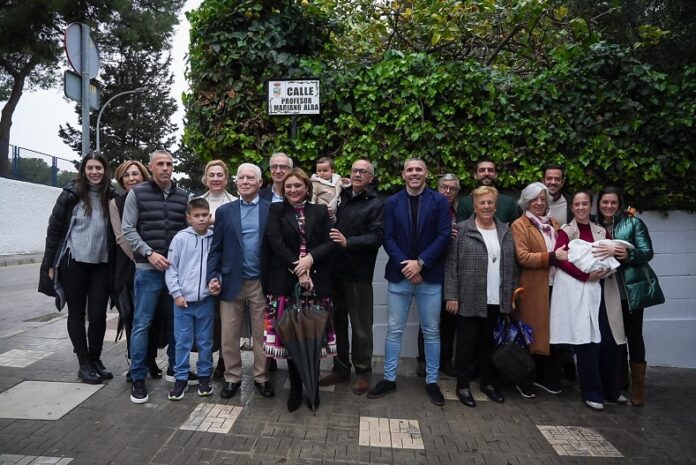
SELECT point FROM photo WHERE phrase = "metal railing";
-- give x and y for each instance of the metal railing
(41, 168)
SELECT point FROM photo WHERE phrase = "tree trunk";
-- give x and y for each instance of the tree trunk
(6, 120)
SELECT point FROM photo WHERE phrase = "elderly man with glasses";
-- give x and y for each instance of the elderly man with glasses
(358, 232)
(279, 165)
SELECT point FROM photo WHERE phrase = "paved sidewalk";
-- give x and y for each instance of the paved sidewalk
(47, 416)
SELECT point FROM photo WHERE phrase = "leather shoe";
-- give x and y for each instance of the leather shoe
(265, 389)
(465, 397)
(493, 393)
(447, 368)
(229, 390)
(361, 385)
(333, 378)
(382, 388)
(435, 394)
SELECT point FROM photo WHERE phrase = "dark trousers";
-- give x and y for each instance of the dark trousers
(633, 326)
(86, 288)
(598, 364)
(448, 328)
(548, 367)
(475, 346)
(352, 302)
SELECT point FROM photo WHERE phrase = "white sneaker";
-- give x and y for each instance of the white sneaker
(621, 400)
(598, 406)
(550, 391)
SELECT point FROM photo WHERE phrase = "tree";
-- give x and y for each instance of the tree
(31, 41)
(133, 125)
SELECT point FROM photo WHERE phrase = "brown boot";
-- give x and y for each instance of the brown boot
(638, 383)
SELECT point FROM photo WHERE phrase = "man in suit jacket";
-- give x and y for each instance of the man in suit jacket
(417, 228)
(234, 274)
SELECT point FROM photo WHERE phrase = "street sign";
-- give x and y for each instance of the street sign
(72, 86)
(293, 97)
(73, 38)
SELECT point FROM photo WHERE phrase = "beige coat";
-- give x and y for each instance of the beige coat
(533, 258)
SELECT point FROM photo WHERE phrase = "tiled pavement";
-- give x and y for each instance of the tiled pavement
(82, 424)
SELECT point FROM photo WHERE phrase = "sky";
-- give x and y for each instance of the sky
(40, 113)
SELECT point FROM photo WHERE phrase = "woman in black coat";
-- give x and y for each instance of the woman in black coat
(299, 251)
(79, 244)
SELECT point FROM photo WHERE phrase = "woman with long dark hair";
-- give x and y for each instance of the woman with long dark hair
(638, 284)
(79, 241)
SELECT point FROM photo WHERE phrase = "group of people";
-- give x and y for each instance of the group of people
(191, 268)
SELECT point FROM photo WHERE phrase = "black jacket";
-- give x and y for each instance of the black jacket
(283, 238)
(361, 220)
(58, 224)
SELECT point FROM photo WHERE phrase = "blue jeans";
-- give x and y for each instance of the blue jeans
(197, 319)
(428, 299)
(149, 287)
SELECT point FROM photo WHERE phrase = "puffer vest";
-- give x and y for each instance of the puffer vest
(159, 218)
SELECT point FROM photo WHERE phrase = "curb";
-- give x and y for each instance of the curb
(20, 259)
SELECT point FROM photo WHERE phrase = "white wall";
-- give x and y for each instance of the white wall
(24, 212)
(670, 329)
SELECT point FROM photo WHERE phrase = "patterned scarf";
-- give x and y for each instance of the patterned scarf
(300, 215)
(543, 224)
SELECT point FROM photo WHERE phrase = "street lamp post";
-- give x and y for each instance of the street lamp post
(134, 91)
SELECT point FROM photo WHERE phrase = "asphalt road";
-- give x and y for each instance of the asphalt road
(19, 299)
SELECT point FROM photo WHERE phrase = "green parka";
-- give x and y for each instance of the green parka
(640, 281)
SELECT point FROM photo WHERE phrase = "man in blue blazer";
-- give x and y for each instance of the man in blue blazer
(417, 228)
(234, 274)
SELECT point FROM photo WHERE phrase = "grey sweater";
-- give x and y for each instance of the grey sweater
(88, 234)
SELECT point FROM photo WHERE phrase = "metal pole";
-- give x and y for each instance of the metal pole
(134, 91)
(54, 171)
(84, 60)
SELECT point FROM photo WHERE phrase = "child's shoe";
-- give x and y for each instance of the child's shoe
(177, 392)
(204, 386)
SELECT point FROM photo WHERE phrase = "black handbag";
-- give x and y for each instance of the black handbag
(513, 360)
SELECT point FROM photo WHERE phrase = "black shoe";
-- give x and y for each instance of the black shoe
(382, 388)
(88, 374)
(219, 372)
(465, 397)
(154, 369)
(295, 400)
(204, 387)
(420, 369)
(101, 370)
(229, 390)
(139, 392)
(493, 393)
(177, 392)
(435, 394)
(265, 389)
(447, 368)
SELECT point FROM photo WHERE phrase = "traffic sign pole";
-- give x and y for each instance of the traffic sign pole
(84, 52)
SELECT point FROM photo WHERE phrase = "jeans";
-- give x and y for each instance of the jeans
(194, 320)
(428, 299)
(149, 288)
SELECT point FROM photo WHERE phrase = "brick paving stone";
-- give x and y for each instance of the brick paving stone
(212, 418)
(578, 441)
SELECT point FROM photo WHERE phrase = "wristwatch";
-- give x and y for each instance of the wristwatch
(148, 253)
(421, 263)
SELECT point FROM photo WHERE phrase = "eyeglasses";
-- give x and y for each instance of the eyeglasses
(448, 188)
(360, 171)
(279, 167)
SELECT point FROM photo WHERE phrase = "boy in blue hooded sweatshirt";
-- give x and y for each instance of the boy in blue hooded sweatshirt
(194, 306)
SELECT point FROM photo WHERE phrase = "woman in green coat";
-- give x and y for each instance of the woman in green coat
(639, 286)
